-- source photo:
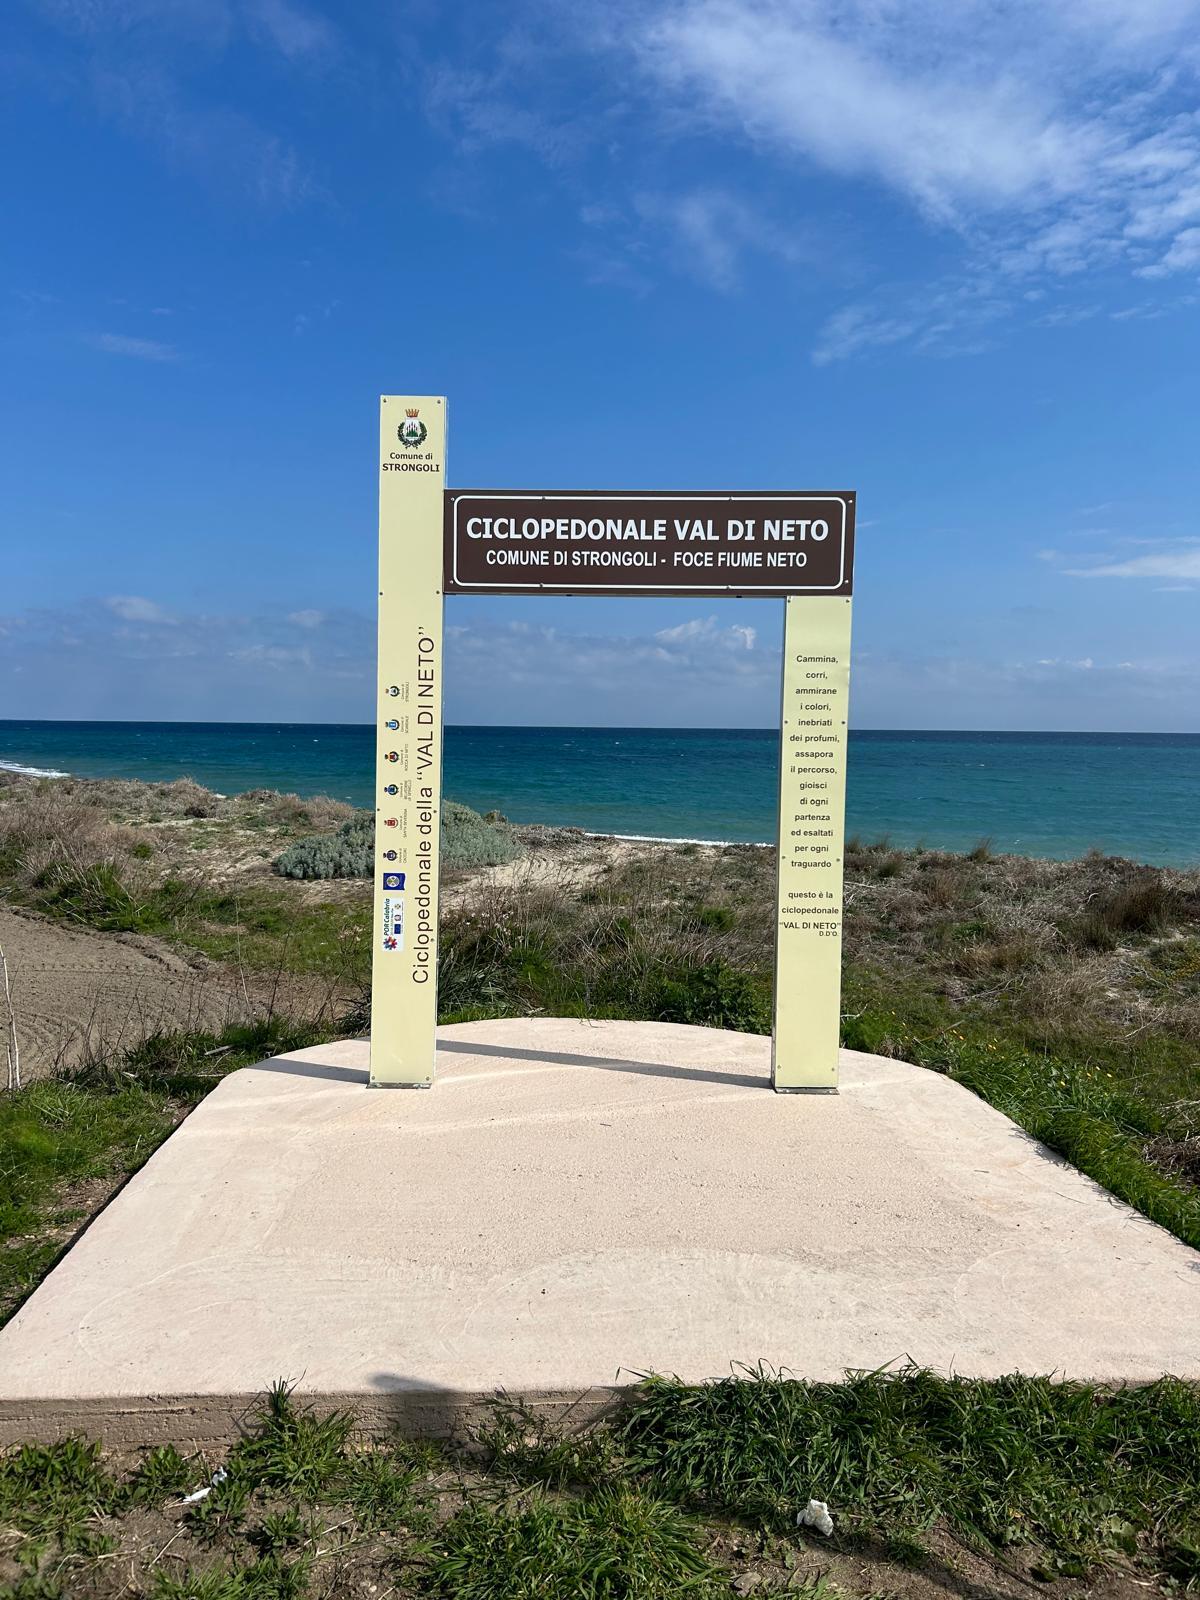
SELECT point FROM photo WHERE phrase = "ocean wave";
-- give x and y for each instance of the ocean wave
(32, 772)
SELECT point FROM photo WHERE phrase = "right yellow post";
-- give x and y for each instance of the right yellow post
(812, 808)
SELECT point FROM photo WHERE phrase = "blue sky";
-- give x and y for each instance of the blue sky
(947, 256)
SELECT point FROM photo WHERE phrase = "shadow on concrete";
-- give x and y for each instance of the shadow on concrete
(298, 1067)
(647, 1069)
(409, 1406)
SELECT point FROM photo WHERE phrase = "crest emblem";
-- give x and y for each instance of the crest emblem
(412, 432)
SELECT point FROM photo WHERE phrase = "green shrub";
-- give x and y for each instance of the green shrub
(716, 996)
(468, 840)
(719, 918)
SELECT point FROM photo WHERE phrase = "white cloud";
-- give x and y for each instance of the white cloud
(273, 655)
(1042, 139)
(854, 329)
(711, 229)
(225, 148)
(700, 673)
(1183, 256)
(306, 619)
(136, 608)
(1145, 312)
(144, 662)
(1180, 563)
(194, 22)
(495, 107)
(975, 107)
(120, 344)
(708, 631)
(900, 94)
(952, 319)
(695, 673)
(134, 62)
(1066, 316)
(299, 34)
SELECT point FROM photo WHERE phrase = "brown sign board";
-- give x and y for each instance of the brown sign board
(767, 543)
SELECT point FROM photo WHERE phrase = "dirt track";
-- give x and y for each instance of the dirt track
(76, 990)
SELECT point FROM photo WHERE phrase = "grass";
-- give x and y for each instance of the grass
(266, 932)
(289, 1491)
(1084, 1475)
(691, 1491)
(614, 1543)
(97, 1125)
(254, 926)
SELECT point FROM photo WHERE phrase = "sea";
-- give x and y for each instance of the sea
(1044, 794)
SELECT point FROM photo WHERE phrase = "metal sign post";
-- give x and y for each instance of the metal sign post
(812, 806)
(799, 546)
(408, 760)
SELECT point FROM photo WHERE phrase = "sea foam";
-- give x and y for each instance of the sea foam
(32, 772)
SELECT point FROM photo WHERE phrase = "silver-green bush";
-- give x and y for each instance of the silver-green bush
(468, 840)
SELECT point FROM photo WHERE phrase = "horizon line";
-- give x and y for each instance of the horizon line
(589, 727)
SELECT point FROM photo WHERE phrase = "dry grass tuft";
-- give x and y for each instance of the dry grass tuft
(47, 832)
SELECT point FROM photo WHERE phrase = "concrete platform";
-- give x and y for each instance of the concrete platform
(573, 1204)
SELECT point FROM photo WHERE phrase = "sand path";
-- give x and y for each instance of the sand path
(76, 990)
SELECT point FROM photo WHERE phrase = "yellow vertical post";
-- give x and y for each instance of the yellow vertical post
(408, 762)
(812, 805)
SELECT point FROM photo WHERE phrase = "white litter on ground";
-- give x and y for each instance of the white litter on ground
(815, 1515)
(218, 1476)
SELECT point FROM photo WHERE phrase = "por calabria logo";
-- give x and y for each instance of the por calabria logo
(412, 432)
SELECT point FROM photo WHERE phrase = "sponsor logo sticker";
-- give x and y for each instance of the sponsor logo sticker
(393, 880)
(393, 923)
